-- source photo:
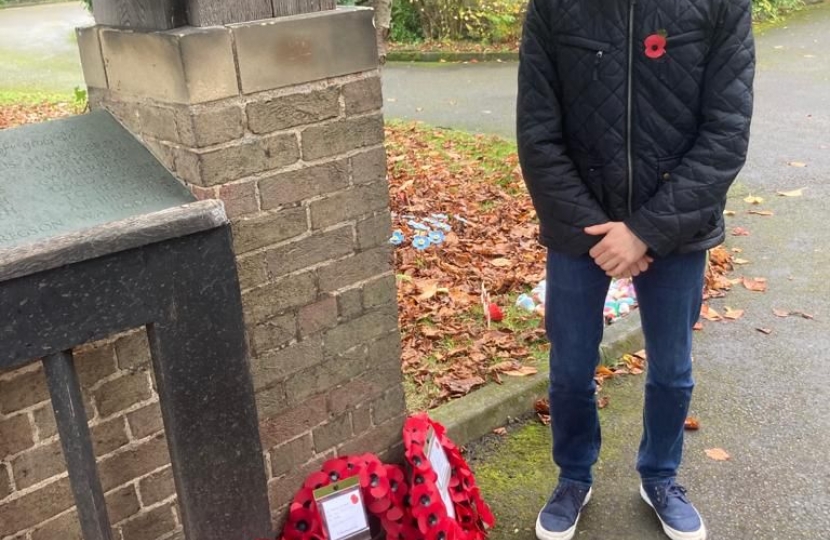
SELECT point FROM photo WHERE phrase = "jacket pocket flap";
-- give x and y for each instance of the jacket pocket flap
(686, 37)
(584, 43)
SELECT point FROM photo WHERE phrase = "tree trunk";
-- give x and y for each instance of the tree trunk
(383, 22)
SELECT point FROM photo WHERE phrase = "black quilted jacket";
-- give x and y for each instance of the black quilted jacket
(607, 133)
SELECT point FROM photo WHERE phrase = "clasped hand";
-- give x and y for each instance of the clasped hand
(621, 254)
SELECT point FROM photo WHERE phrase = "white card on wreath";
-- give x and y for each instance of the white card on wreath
(437, 458)
(342, 510)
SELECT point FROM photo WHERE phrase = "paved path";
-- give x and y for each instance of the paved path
(38, 52)
(762, 398)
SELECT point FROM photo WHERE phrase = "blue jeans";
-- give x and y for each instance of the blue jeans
(670, 296)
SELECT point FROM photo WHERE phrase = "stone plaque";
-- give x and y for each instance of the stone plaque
(68, 175)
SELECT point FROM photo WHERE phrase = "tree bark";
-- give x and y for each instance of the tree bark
(383, 22)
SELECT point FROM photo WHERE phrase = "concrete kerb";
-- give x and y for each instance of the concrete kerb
(479, 413)
(439, 56)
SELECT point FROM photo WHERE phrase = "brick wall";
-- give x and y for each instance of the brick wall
(300, 164)
(125, 420)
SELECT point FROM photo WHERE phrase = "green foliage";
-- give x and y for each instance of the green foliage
(483, 21)
(770, 10)
(87, 4)
(406, 22)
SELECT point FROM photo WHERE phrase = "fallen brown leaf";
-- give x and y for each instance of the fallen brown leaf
(463, 386)
(718, 454)
(740, 261)
(781, 313)
(793, 193)
(524, 371)
(761, 213)
(709, 313)
(797, 164)
(755, 284)
(753, 200)
(740, 231)
(733, 314)
(501, 263)
(803, 315)
(544, 419)
(542, 406)
(603, 402)
(698, 326)
(500, 431)
(765, 331)
(641, 354)
(729, 213)
(692, 424)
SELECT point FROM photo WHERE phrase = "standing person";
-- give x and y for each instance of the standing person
(633, 122)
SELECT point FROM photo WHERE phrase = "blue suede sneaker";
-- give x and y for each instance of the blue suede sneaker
(680, 519)
(559, 517)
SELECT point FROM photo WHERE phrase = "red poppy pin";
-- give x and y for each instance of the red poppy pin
(656, 45)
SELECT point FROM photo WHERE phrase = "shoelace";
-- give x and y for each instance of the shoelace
(670, 491)
(572, 494)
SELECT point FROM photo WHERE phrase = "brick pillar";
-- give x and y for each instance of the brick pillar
(281, 119)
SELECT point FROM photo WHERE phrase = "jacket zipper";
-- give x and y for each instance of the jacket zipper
(597, 60)
(631, 5)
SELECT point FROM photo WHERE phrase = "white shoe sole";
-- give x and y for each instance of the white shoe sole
(699, 534)
(542, 534)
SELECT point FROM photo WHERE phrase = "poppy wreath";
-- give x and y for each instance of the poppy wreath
(427, 513)
(383, 488)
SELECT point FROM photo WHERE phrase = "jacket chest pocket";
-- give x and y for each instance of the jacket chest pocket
(685, 59)
(578, 55)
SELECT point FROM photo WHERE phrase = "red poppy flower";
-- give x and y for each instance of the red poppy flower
(373, 480)
(430, 516)
(459, 495)
(397, 483)
(423, 496)
(303, 499)
(465, 516)
(416, 457)
(422, 477)
(409, 531)
(415, 429)
(484, 511)
(337, 469)
(445, 530)
(354, 464)
(655, 46)
(395, 514)
(317, 480)
(302, 524)
(378, 506)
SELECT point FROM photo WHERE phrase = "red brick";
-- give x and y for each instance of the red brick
(35, 507)
(157, 487)
(5, 482)
(239, 198)
(321, 315)
(379, 439)
(16, 435)
(146, 421)
(150, 525)
(133, 350)
(121, 393)
(119, 468)
(291, 455)
(23, 391)
(292, 422)
(38, 464)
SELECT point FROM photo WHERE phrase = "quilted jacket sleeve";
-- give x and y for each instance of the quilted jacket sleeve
(558, 192)
(694, 194)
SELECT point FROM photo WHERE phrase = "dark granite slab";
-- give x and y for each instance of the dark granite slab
(68, 175)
